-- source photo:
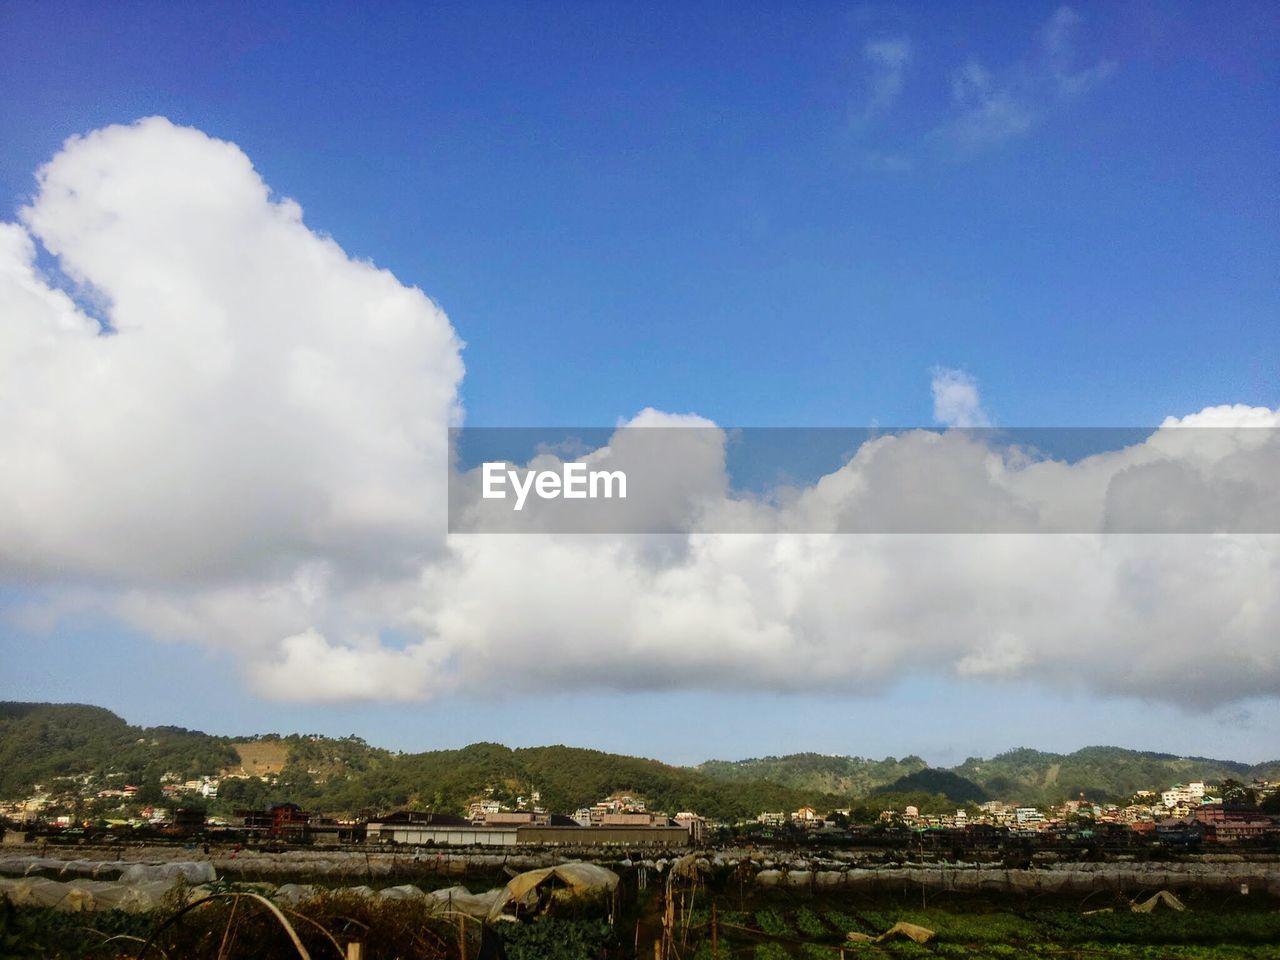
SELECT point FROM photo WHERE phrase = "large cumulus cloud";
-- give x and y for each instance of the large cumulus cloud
(230, 432)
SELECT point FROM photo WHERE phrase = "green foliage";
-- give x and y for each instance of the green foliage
(1101, 773)
(772, 923)
(565, 777)
(954, 787)
(40, 742)
(569, 777)
(816, 772)
(42, 933)
(967, 929)
(445, 780)
(553, 938)
(842, 921)
(810, 924)
(973, 929)
(1233, 791)
(926, 803)
(813, 951)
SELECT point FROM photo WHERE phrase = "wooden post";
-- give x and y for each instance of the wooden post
(462, 939)
(669, 922)
(355, 950)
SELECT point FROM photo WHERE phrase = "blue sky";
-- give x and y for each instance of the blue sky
(762, 214)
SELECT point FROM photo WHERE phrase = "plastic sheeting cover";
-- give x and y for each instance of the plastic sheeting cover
(579, 879)
(200, 871)
(900, 930)
(86, 895)
(406, 891)
(1161, 899)
(291, 893)
(461, 900)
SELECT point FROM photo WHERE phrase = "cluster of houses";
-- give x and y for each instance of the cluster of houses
(205, 787)
(614, 821)
(175, 799)
(1185, 812)
(621, 820)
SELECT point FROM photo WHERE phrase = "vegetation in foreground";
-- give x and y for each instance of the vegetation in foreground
(777, 926)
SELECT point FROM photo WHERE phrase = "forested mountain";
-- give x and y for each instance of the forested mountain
(1022, 775)
(565, 778)
(40, 743)
(941, 783)
(844, 776)
(1032, 776)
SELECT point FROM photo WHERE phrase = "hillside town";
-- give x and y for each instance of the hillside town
(1182, 814)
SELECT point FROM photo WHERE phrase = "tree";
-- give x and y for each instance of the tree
(148, 786)
(1233, 791)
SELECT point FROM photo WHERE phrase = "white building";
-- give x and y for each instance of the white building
(696, 825)
(1183, 794)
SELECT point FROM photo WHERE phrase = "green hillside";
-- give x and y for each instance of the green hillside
(565, 778)
(1100, 773)
(955, 788)
(42, 741)
(842, 776)
(73, 747)
(1022, 775)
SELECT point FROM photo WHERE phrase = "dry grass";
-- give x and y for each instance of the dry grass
(259, 758)
(245, 926)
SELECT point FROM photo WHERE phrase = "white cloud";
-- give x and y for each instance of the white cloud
(994, 107)
(1001, 656)
(256, 462)
(1057, 40)
(309, 667)
(988, 113)
(887, 60)
(266, 401)
(264, 433)
(955, 399)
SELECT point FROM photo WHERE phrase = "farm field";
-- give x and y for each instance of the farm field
(1211, 927)
(773, 926)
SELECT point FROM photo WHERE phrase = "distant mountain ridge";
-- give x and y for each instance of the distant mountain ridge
(942, 782)
(1022, 774)
(40, 742)
(1100, 772)
(851, 776)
